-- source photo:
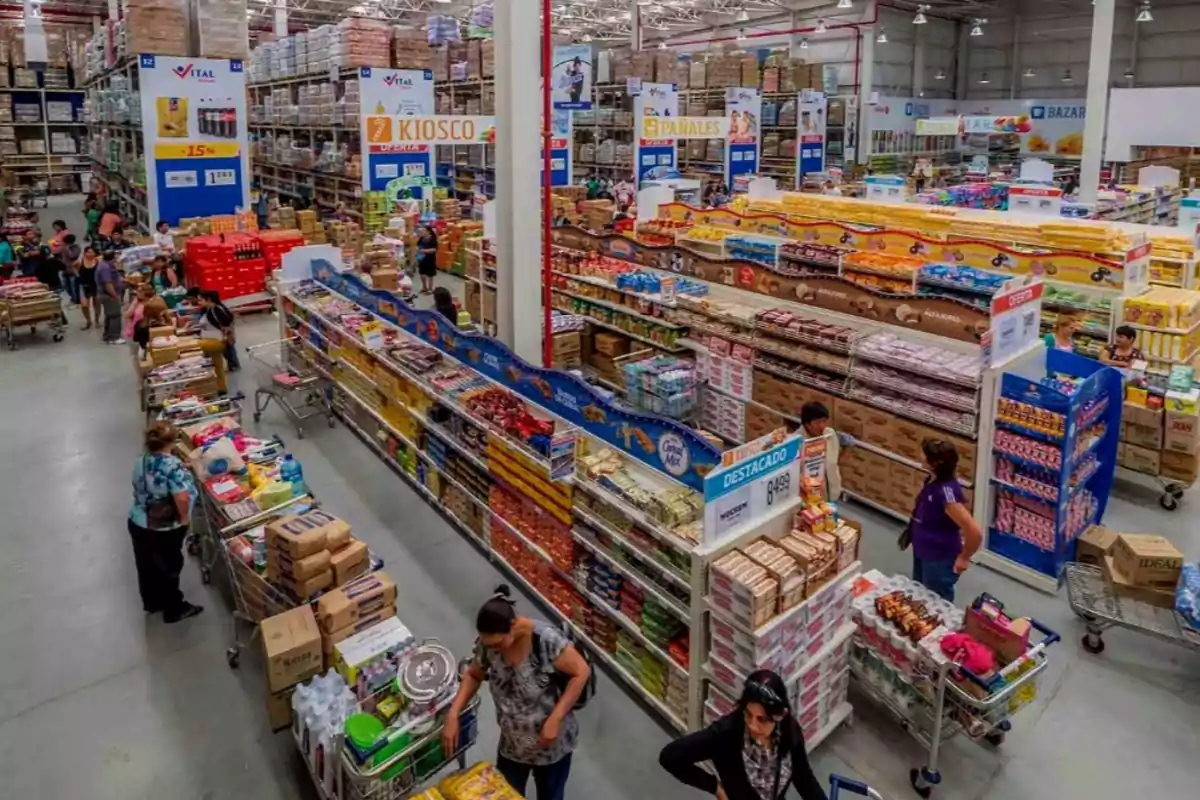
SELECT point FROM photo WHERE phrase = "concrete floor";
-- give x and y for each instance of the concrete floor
(98, 701)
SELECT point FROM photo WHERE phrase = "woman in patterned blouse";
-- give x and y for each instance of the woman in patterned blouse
(519, 657)
(757, 749)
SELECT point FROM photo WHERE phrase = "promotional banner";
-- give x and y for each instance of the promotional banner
(571, 73)
(197, 153)
(1042, 126)
(385, 94)
(1045, 200)
(1016, 317)
(661, 443)
(743, 107)
(654, 157)
(560, 148)
(810, 141)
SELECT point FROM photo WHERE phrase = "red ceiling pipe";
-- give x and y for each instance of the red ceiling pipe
(547, 204)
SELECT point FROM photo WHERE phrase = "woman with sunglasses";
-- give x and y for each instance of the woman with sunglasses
(757, 750)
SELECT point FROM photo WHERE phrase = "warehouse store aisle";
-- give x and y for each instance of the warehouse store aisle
(138, 709)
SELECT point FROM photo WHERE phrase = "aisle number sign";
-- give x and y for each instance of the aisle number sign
(748, 489)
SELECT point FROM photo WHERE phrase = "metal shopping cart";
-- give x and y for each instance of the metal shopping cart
(161, 385)
(197, 412)
(935, 699)
(839, 784)
(45, 309)
(409, 770)
(291, 377)
(1091, 596)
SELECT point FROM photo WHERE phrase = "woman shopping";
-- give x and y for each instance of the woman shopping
(756, 751)
(537, 675)
(163, 494)
(86, 274)
(216, 334)
(427, 247)
(944, 535)
(1066, 325)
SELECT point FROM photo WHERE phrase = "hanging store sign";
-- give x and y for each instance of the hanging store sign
(750, 488)
(938, 126)
(685, 127)
(810, 138)
(194, 118)
(571, 77)
(385, 94)
(654, 156)
(1045, 200)
(743, 107)
(1016, 317)
(560, 147)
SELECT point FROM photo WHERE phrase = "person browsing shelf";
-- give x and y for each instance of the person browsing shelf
(1066, 325)
(814, 418)
(427, 247)
(523, 660)
(757, 750)
(944, 535)
(1123, 352)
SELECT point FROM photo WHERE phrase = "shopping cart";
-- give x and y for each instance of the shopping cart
(33, 311)
(291, 377)
(1091, 596)
(198, 412)
(941, 699)
(408, 771)
(838, 784)
(160, 387)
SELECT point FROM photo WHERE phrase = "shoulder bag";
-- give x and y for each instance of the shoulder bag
(161, 513)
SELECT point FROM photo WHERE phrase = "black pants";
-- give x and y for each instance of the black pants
(549, 780)
(159, 559)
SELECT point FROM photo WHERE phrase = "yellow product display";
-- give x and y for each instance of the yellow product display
(172, 117)
(1164, 307)
(480, 782)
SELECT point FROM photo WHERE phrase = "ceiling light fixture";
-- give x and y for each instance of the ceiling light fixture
(977, 26)
(1129, 73)
(844, 5)
(940, 76)
(1067, 77)
(919, 18)
(741, 37)
(804, 44)
(983, 78)
(587, 37)
(821, 26)
(1028, 73)
(662, 45)
(743, 16)
(882, 37)
(1144, 15)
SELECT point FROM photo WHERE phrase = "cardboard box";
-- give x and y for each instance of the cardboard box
(1140, 459)
(349, 562)
(1140, 415)
(1147, 559)
(610, 344)
(279, 709)
(1095, 543)
(388, 279)
(304, 589)
(1124, 587)
(304, 535)
(328, 640)
(382, 645)
(1141, 435)
(359, 598)
(279, 562)
(1182, 467)
(1182, 432)
(291, 646)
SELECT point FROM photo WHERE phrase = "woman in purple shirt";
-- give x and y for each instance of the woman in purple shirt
(944, 534)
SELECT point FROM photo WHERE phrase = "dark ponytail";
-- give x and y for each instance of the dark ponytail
(497, 614)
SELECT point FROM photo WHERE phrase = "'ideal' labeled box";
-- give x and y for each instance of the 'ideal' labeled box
(307, 534)
(358, 598)
(291, 647)
(1147, 559)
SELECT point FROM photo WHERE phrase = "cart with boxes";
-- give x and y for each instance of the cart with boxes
(1160, 440)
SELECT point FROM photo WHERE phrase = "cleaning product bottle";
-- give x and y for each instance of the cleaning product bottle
(291, 472)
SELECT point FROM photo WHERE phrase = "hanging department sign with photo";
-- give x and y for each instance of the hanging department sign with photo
(810, 138)
(743, 107)
(386, 95)
(560, 147)
(197, 153)
(571, 77)
(654, 156)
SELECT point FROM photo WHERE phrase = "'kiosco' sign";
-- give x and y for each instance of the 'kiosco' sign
(430, 130)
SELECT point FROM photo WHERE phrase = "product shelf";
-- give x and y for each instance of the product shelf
(630, 574)
(635, 515)
(596, 523)
(779, 619)
(617, 307)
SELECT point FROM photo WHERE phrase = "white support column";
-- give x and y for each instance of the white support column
(635, 28)
(518, 177)
(794, 50)
(1014, 80)
(866, 76)
(918, 68)
(281, 25)
(1099, 61)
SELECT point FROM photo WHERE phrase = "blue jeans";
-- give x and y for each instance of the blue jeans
(938, 576)
(70, 285)
(231, 356)
(550, 780)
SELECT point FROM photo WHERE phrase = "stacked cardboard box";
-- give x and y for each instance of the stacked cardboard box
(291, 655)
(360, 42)
(567, 350)
(597, 214)
(1141, 566)
(307, 554)
(354, 607)
(411, 49)
(605, 348)
(222, 29)
(157, 26)
(1161, 441)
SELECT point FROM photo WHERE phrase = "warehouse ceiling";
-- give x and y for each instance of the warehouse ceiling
(596, 20)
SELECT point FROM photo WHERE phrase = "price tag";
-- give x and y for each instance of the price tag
(387, 170)
(180, 179)
(416, 169)
(372, 334)
(749, 488)
(557, 164)
(219, 177)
